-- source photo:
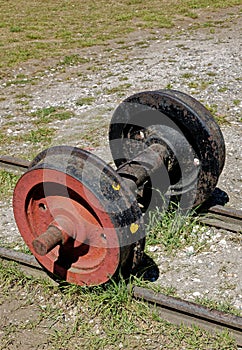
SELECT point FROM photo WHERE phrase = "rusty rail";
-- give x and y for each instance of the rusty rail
(171, 309)
(181, 312)
(21, 258)
(13, 163)
(223, 217)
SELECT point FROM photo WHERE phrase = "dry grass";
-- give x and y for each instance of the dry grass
(50, 29)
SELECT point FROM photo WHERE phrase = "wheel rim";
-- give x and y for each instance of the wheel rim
(152, 110)
(53, 189)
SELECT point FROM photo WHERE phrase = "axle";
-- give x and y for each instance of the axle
(138, 170)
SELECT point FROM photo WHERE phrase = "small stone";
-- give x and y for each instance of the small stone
(190, 250)
(196, 280)
(223, 243)
(153, 249)
(196, 294)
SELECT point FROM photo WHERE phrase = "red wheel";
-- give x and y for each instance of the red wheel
(76, 216)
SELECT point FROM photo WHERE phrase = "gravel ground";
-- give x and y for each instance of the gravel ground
(205, 63)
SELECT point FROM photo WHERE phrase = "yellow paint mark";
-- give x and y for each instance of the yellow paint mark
(134, 228)
(116, 186)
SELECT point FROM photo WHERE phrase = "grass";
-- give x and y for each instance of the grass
(49, 115)
(94, 135)
(174, 230)
(32, 141)
(37, 129)
(220, 118)
(41, 30)
(120, 89)
(220, 306)
(237, 102)
(41, 136)
(104, 317)
(85, 101)
(8, 181)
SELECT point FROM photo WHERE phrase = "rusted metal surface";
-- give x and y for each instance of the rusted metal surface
(68, 184)
(226, 211)
(144, 164)
(180, 311)
(176, 114)
(14, 163)
(223, 217)
(44, 243)
(75, 261)
(25, 259)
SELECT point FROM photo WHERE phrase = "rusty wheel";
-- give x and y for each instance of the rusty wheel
(76, 216)
(195, 145)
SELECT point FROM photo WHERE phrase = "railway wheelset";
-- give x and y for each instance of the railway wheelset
(83, 220)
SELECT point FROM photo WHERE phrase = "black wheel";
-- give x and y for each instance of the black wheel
(195, 144)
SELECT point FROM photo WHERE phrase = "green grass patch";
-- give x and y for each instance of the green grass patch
(118, 89)
(8, 181)
(187, 75)
(41, 136)
(220, 118)
(174, 230)
(103, 317)
(93, 136)
(71, 60)
(50, 114)
(223, 89)
(85, 101)
(236, 102)
(218, 305)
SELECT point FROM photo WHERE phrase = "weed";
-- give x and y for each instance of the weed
(223, 89)
(187, 75)
(73, 60)
(169, 86)
(218, 305)
(212, 108)
(123, 78)
(94, 136)
(220, 118)
(204, 84)
(118, 89)
(15, 29)
(193, 85)
(41, 136)
(20, 81)
(50, 114)
(211, 74)
(85, 101)
(236, 102)
(7, 182)
(173, 229)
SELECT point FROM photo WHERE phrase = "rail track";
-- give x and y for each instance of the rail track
(174, 310)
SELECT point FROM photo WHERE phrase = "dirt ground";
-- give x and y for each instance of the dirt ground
(204, 62)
